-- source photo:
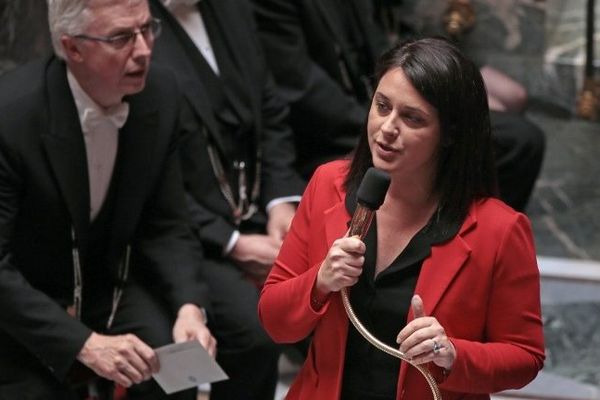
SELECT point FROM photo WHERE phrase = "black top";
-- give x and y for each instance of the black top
(381, 303)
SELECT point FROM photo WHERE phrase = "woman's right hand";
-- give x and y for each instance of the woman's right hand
(342, 266)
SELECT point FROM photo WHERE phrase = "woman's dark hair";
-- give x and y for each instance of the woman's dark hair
(453, 85)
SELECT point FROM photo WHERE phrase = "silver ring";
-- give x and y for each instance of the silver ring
(436, 347)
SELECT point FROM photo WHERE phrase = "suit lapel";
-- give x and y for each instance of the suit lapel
(337, 217)
(433, 281)
(65, 148)
(137, 141)
(171, 53)
(336, 222)
(224, 20)
(361, 12)
(329, 14)
(232, 38)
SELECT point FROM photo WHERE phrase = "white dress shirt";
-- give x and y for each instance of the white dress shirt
(101, 135)
(189, 17)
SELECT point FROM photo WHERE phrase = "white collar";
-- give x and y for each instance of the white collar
(89, 111)
(82, 100)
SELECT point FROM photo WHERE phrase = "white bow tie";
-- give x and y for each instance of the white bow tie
(116, 115)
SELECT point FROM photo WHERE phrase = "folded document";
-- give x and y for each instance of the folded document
(186, 365)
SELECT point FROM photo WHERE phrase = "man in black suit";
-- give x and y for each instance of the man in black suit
(238, 173)
(97, 264)
(322, 55)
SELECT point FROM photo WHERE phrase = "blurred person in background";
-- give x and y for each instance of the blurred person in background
(237, 162)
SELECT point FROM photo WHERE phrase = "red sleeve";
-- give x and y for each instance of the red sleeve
(284, 307)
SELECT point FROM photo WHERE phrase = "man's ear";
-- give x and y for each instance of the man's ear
(71, 48)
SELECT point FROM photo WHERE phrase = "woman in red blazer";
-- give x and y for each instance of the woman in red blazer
(447, 273)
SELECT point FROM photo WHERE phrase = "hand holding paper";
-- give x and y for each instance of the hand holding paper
(191, 325)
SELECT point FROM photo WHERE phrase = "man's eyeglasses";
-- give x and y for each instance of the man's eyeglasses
(149, 32)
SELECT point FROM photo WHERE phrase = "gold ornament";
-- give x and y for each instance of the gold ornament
(459, 17)
(588, 102)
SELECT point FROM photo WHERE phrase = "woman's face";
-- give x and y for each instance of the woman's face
(403, 128)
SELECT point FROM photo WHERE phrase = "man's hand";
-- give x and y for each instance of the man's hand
(124, 359)
(191, 325)
(280, 218)
(255, 254)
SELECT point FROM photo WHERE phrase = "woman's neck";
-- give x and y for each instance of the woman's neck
(403, 213)
(409, 203)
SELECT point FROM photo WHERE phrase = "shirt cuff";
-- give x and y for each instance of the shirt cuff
(231, 243)
(279, 200)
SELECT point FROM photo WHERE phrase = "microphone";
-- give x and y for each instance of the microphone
(370, 196)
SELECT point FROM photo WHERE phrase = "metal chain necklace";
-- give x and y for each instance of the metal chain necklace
(246, 206)
(123, 273)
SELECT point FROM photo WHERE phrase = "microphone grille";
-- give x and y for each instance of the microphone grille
(373, 188)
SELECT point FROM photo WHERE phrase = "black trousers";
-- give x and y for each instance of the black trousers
(519, 147)
(244, 350)
(139, 313)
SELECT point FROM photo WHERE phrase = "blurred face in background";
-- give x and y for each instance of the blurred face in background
(403, 129)
(111, 58)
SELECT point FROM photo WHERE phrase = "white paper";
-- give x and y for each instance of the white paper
(186, 365)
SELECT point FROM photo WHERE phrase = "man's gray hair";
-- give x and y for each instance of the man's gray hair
(70, 17)
(66, 17)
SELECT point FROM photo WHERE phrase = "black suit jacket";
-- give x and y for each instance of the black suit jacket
(306, 48)
(212, 216)
(44, 192)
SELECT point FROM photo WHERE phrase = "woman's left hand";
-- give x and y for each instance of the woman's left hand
(424, 340)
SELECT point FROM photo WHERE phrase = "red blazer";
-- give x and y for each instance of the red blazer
(482, 286)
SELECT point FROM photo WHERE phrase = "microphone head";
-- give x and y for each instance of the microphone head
(373, 188)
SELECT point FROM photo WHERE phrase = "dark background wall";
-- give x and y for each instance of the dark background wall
(23, 32)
